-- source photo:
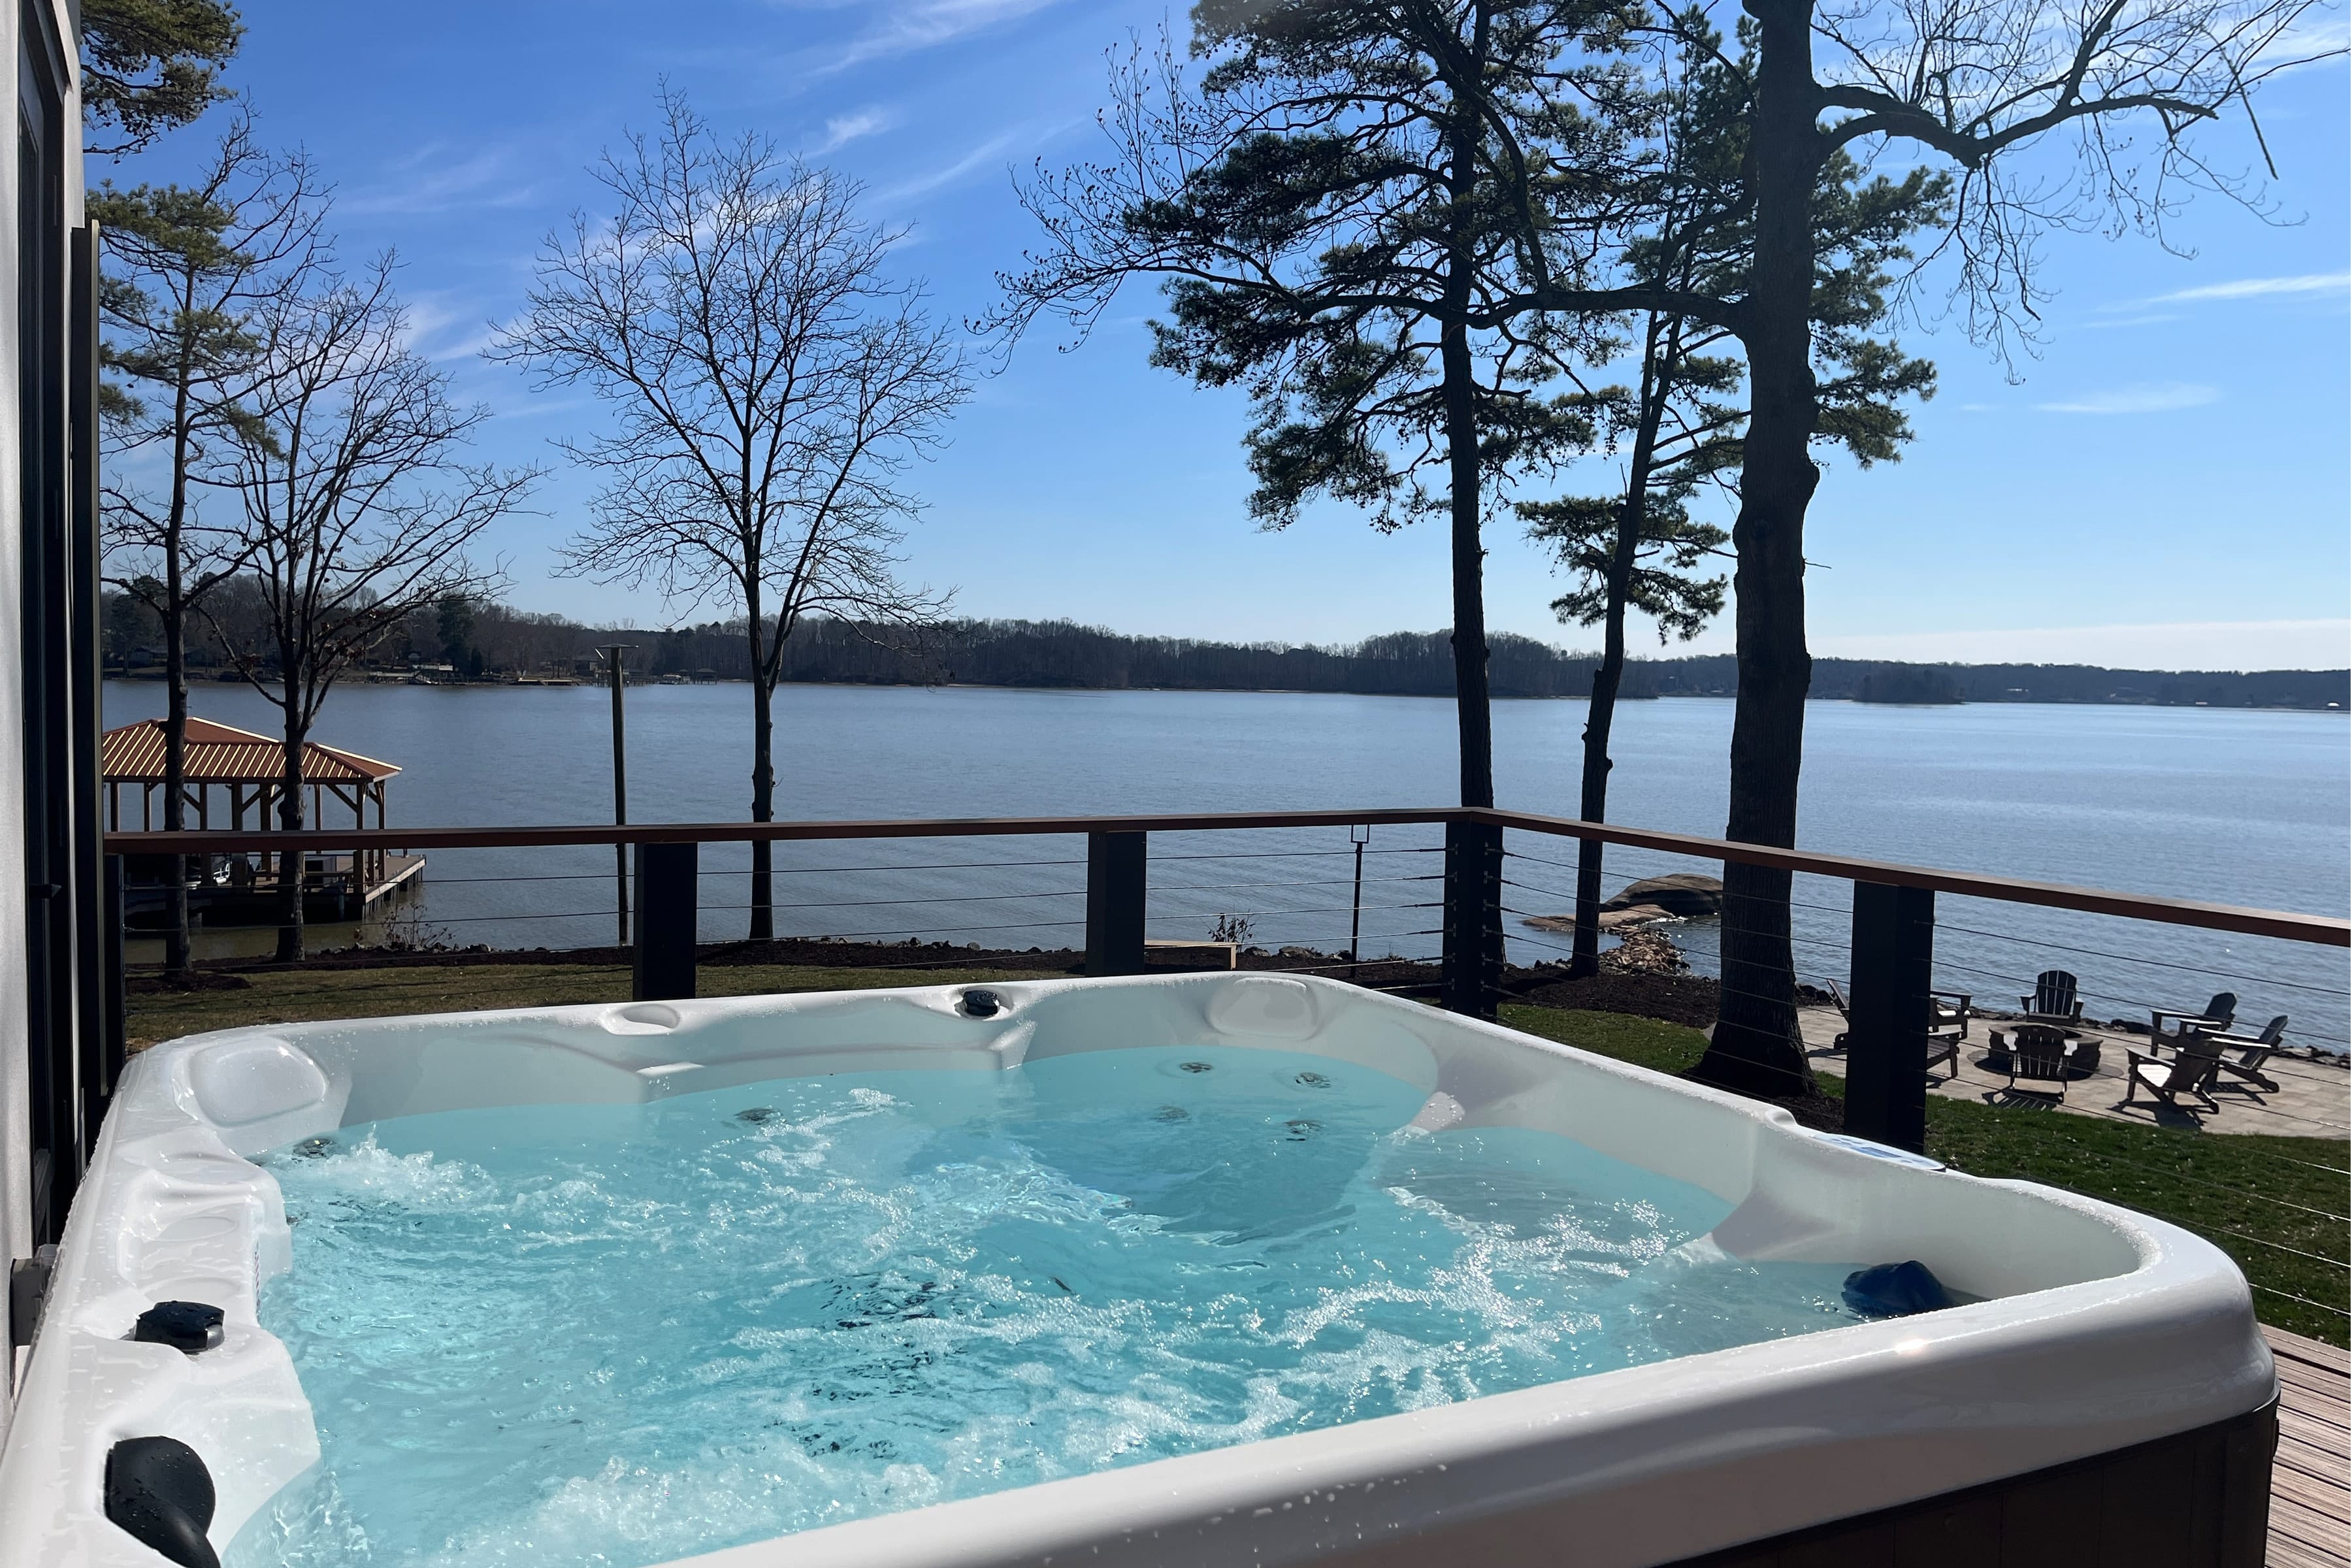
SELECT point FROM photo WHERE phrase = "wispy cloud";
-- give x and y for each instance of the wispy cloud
(987, 153)
(2309, 43)
(843, 129)
(2260, 288)
(445, 327)
(927, 24)
(423, 182)
(2147, 397)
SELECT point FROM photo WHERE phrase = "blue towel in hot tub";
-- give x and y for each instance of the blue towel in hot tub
(1895, 1290)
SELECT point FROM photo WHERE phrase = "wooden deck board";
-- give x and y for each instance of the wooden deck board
(2317, 1395)
(2323, 1436)
(2311, 1481)
(2313, 1352)
(2320, 1494)
(2285, 1551)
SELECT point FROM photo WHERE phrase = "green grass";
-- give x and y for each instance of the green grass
(2274, 1205)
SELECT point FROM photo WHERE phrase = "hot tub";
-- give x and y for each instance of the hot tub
(2099, 1386)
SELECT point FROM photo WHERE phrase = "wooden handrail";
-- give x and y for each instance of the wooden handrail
(2321, 930)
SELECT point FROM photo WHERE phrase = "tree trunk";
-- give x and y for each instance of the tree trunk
(175, 669)
(1600, 712)
(763, 808)
(291, 862)
(763, 799)
(1460, 390)
(1756, 1048)
(1472, 717)
(175, 766)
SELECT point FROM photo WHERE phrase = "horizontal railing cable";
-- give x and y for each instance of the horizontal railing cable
(2053, 946)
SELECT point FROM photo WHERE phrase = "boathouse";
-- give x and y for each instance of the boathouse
(248, 769)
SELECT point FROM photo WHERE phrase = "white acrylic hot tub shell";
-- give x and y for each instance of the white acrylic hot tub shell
(2102, 1328)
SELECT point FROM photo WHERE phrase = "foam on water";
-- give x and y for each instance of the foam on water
(619, 1334)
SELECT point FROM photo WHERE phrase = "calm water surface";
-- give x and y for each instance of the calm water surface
(2240, 808)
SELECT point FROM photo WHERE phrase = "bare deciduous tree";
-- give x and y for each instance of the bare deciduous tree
(356, 508)
(770, 386)
(188, 267)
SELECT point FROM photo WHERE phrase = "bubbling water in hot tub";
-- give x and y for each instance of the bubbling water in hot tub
(620, 1334)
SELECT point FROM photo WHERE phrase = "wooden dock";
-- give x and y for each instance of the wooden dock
(2311, 1481)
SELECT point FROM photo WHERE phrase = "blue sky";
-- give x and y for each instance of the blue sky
(2163, 484)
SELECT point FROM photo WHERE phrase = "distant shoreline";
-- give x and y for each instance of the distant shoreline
(148, 677)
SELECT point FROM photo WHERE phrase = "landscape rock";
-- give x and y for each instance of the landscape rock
(1644, 952)
(1684, 893)
(1632, 917)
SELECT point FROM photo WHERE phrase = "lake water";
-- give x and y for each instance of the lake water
(2239, 807)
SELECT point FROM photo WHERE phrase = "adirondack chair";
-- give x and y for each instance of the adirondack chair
(2195, 1063)
(1949, 1013)
(2219, 1014)
(1948, 1025)
(2252, 1051)
(2054, 999)
(2037, 1052)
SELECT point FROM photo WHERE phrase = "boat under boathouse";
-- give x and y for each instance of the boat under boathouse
(248, 771)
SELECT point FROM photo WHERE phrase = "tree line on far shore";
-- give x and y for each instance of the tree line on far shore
(492, 641)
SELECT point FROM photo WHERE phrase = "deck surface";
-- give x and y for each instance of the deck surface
(2311, 1483)
(2314, 1099)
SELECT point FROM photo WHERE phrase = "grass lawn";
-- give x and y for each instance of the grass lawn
(2274, 1205)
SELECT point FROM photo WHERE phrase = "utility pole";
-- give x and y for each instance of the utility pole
(612, 661)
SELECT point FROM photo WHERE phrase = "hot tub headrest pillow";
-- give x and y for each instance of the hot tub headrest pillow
(161, 1494)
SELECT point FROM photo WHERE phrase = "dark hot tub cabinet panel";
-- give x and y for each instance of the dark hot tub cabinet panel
(2200, 1499)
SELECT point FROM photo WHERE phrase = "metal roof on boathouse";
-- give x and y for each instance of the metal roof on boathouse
(222, 754)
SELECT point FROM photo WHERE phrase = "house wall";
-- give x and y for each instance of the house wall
(16, 1218)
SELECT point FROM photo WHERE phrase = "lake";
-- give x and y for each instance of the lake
(2241, 808)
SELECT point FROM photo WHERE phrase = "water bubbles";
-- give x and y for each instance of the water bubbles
(964, 1282)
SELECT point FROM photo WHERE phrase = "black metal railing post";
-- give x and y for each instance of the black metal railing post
(117, 1037)
(667, 908)
(1473, 936)
(1116, 864)
(1358, 834)
(1887, 1039)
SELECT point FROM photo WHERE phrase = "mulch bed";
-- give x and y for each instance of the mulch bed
(1685, 999)
(182, 984)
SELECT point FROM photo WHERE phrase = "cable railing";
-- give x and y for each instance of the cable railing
(1467, 902)
(1437, 905)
